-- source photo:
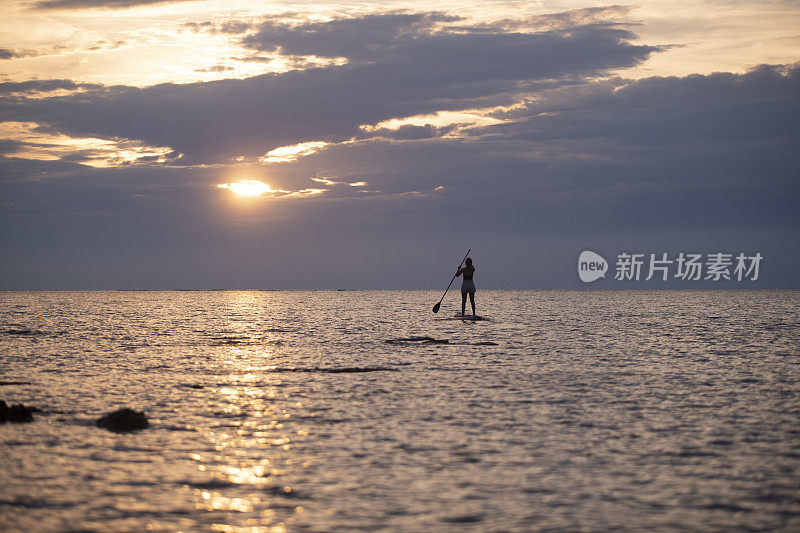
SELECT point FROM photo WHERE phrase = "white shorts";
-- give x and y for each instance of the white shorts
(467, 286)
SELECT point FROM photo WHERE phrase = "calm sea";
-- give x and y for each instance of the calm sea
(308, 411)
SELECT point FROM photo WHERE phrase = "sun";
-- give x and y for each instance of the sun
(247, 187)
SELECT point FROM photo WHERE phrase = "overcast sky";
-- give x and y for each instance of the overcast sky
(190, 144)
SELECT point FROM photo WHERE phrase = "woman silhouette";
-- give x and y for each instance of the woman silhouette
(467, 286)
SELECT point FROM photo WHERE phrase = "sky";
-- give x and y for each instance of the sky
(190, 144)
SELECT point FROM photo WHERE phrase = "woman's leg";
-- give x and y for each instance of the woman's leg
(463, 302)
(471, 301)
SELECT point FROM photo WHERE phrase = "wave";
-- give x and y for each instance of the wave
(243, 341)
(213, 484)
(431, 340)
(336, 370)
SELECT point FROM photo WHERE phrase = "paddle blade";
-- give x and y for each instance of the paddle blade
(436, 307)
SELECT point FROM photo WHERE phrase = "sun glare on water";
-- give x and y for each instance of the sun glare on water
(248, 187)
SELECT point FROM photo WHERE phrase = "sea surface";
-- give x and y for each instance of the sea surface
(330, 411)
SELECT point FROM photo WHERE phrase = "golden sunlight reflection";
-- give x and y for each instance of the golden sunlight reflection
(248, 464)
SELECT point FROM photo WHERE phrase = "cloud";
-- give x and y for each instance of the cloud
(99, 4)
(358, 38)
(407, 132)
(330, 180)
(759, 105)
(229, 26)
(287, 154)
(28, 140)
(439, 119)
(639, 152)
(5, 53)
(564, 19)
(715, 151)
(215, 68)
(38, 88)
(411, 70)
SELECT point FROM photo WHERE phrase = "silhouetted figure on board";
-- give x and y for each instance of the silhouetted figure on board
(467, 286)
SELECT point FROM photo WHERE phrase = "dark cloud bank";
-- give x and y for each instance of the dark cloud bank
(665, 164)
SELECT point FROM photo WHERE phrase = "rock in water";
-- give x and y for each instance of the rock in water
(16, 413)
(123, 420)
(420, 340)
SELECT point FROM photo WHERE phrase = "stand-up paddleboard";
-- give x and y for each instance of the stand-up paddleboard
(466, 317)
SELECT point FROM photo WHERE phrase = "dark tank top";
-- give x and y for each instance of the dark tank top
(468, 272)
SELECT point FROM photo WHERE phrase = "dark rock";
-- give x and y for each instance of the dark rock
(348, 370)
(23, 332)
(16, 413)
(420, 340)
(123, 420)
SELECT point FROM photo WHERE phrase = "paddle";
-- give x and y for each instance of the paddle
(436, 307)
